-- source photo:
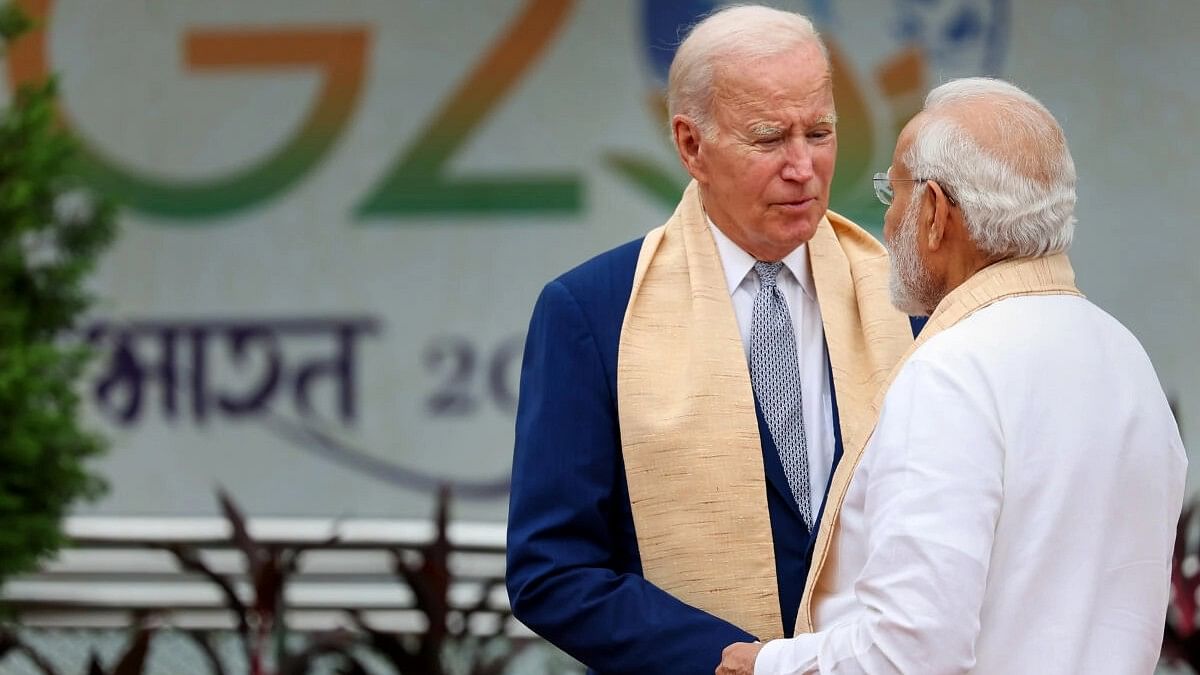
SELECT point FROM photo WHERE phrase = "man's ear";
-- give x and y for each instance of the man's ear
(688, 143)
(939, 208)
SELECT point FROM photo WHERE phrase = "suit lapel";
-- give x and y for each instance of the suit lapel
(837, 453)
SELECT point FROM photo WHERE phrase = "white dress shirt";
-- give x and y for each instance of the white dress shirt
(795, 282)
(1014, 511)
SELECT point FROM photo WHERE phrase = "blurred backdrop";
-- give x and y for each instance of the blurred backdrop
(336, 216)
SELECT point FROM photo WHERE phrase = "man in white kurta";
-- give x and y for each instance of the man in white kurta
(1013, 512)
(1014, 509)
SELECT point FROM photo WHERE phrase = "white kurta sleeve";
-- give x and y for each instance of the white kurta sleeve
(934, 471)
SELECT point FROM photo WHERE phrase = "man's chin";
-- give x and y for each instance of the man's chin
(798, 231)
(904, 300)
(909, 306)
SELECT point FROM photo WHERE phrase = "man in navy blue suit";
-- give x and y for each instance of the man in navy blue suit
(678, 423)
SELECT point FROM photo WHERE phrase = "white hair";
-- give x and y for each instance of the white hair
(736, 33)
(1016, 185)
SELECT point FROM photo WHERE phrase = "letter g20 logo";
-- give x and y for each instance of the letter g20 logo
(416, 182)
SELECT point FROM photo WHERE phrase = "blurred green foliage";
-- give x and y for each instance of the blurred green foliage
(51, 234)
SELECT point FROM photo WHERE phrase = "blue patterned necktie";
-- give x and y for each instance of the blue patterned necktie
(775, 375)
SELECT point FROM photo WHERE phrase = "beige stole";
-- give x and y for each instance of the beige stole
(1051, 275)
(689, 434)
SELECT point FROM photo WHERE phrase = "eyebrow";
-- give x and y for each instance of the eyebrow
(768, 129)
(765, 130)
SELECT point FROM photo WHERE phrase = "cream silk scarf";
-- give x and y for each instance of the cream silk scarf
(689, 434)
(1051, 275)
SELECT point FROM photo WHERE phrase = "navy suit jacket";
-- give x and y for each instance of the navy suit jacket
(574, 575)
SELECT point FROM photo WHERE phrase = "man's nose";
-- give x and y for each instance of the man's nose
(798, 165)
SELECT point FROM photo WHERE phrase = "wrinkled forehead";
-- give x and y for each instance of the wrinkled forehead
(779, 89)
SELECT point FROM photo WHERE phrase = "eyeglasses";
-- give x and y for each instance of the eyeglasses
(885, 194)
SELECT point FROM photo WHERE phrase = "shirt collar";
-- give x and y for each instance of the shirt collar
(737, 263)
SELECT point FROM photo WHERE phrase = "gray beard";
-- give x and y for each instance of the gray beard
(913, 290)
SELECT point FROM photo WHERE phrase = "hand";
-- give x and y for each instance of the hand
(738, 658)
